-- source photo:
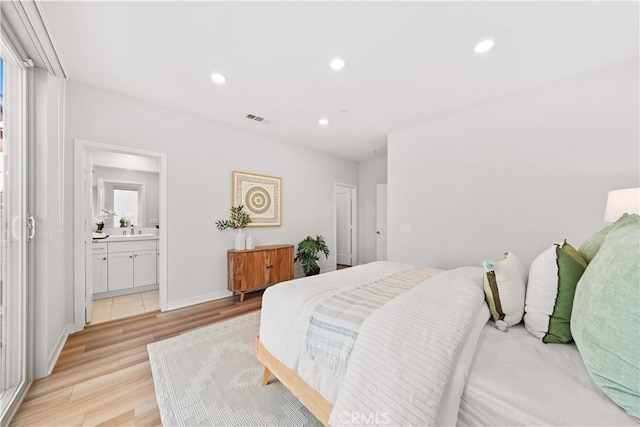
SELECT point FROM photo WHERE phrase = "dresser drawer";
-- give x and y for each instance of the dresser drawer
(99, 248)
(144, 245)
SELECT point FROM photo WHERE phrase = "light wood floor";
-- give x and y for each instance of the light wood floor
(103, 375)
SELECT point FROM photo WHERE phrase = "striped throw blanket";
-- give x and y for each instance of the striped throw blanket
(334, 324)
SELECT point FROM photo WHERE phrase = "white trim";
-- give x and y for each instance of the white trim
(78, 253)
(60, 152)
(55, 354)
(186, 302)
(34, 35)
(354, 222)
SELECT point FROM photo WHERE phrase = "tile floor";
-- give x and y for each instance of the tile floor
(124, 306)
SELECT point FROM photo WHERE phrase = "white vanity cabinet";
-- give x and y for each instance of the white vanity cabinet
(124, 266)
(132, 264)
(120, 271)
(144, 268)
(100, 268)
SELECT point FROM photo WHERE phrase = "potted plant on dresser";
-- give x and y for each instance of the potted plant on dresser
(307, 255)
(238, 220)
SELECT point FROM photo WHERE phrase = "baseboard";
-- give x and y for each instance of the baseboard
(186, 302)
(55, 354)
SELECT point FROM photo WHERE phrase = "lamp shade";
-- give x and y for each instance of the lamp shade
(620, 202)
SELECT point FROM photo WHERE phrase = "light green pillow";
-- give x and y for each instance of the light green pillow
(606, 316)
(553, 277)
(590, 247)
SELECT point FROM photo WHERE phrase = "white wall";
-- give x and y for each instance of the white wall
(371, 172)
(201, 155)
(516, 175)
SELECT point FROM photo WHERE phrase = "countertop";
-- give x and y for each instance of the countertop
(128, 238)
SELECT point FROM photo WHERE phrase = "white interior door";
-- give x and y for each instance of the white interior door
(344, 235)
(381, 222)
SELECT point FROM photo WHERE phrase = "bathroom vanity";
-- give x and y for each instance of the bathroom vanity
(124, 264)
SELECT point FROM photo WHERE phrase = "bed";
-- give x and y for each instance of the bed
(481, 376)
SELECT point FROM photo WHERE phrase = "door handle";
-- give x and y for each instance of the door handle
(31, 225)
(377, 232)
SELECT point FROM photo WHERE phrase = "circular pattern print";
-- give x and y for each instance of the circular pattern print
(257, 200)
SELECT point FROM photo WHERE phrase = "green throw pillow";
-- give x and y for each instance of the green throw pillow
(606, 316)
(590, 248)
(553, 277)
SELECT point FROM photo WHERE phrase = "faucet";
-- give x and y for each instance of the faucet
(132, 230)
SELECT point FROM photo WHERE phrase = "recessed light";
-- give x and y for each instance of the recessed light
(483, 46)
(323, 121)
(218, 78)
(337, 63)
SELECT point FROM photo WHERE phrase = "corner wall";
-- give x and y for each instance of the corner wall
(516, 175)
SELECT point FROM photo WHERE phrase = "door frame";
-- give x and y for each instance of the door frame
(354, 222)
(80, 147)
(378, 187)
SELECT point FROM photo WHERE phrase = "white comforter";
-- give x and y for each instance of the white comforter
(406, 354)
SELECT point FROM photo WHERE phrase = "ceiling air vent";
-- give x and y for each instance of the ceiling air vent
(257, 118)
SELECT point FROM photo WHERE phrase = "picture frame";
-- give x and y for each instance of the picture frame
(261, 196)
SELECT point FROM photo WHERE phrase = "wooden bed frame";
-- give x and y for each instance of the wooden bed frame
(310, 398)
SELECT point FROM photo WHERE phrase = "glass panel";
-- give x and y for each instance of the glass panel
(12, 236)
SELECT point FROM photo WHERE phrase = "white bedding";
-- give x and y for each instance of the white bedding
(516, 380)
(287, 307)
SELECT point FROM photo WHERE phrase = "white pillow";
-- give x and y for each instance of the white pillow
(505, 283)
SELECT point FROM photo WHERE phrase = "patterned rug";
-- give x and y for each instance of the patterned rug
(211, 377)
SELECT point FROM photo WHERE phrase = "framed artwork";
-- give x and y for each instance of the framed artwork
(260, 195)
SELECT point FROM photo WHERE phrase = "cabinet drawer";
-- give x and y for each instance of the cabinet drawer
(144, 245)
(99, 248)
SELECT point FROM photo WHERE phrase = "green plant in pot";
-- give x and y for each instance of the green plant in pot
(238, 220)
(307, 254)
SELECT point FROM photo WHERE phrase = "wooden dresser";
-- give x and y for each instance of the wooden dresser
(258, 268)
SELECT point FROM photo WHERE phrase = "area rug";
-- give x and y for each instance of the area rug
(211, 377)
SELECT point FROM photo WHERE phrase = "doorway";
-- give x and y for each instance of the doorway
(345, 227)
(381, 222)
(102, 171)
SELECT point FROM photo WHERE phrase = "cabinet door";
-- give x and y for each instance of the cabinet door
(248, 270)
(120, 269)
(100, 273)
(144, 268)
(279, 264)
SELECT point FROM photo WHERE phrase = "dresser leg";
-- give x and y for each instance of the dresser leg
(241, 296)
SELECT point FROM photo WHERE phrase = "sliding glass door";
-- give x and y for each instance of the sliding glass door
(14, 232)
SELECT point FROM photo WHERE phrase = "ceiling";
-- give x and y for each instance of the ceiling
(407, 62)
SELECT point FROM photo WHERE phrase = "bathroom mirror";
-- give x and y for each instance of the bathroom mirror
(128, 194)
